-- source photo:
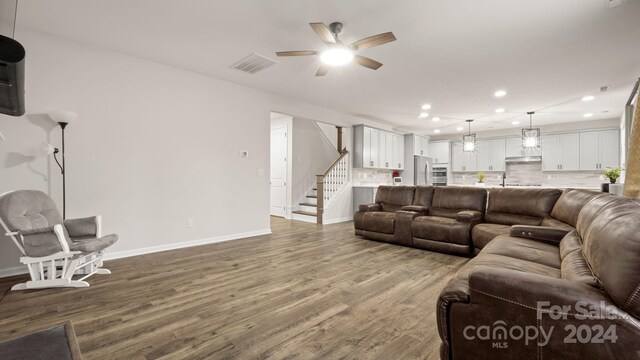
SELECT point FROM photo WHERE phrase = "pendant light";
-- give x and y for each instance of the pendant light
(469, 141)
(530, 136)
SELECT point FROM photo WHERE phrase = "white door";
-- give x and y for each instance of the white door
(370, 151)
(278, 171)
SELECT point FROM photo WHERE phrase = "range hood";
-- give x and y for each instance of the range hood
(523, 159)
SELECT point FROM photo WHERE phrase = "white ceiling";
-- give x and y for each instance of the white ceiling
(452, 54)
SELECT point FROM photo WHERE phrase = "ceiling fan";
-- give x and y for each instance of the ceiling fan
(338, 53)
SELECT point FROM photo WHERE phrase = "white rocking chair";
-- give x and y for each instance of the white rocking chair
(54, 249)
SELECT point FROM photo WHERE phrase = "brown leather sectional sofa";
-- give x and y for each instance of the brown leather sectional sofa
(556, 275)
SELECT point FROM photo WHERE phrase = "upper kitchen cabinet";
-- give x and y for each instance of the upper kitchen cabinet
(561, 152)
(377, 149)
(420, 145)
(514, 148)
(461, 160)
(439, 151)
(491, 155)
(599, 149)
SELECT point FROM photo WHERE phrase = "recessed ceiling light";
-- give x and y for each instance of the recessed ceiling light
(436, 131)
(424, 115)
(515, 123)
(499, 110)
(588, 98)
(459, 128)
(500, 93)
(435, 119)
(588, 115)
(426, 107)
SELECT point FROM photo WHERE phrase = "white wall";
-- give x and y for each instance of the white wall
(152, 146)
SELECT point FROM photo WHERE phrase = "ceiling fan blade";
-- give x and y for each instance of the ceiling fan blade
(323, 33)
(374, 40)
(296, 53)
(366, 62)
(323, 70)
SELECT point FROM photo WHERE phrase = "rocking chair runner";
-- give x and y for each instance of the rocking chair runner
(54, 249)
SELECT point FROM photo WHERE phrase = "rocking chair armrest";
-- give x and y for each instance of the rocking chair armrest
(83, 227)
(57, 256)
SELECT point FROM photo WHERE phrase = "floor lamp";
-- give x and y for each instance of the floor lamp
(63, 118)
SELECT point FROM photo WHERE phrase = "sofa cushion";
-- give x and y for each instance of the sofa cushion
(505, 263)
(525, 249)
(569, 204)
(423, 196)
(393, 198)
(520, 206)
(378, 221)
(609, 227)
(483, 233)
(449, 201)
(443, 229)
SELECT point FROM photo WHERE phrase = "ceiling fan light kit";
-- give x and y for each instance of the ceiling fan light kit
(339, 54)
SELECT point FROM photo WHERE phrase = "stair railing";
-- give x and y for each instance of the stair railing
(332, 181)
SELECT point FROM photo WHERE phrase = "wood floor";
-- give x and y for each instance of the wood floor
(305, 292)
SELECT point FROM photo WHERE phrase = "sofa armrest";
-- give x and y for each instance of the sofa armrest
(545, 234)
(469, 216)
(423, 210)
(83, 227)
(370, 207)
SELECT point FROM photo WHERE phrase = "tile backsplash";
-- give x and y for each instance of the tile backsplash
(372, 177)
(532, 174)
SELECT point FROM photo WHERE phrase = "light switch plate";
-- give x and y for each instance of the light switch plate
(260, 172)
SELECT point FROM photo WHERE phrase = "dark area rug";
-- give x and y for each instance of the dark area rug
(57, 343)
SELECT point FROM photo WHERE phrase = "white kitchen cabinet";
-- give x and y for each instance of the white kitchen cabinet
(513, 148)
(420, 145)
(561, 152)
(461, 160)
(439, 151)
(599, 150)
(377, 149)
(370, 148)
(398, 152)
(491, 154)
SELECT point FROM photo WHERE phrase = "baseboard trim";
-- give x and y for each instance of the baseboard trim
(335, 221)
(181, 245)
(22, 269)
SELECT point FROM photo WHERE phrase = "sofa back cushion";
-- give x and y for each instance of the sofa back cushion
(520, 206)
(450, 200)
(574, 267)
(393, 198)
(423, 196)
(609, 227)
(569, 205)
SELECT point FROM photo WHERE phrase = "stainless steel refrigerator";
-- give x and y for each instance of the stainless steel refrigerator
(422, 174)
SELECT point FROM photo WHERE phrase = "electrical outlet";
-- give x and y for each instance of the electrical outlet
(260, 172)
(244, 153)
(190, 222)
(549, 177)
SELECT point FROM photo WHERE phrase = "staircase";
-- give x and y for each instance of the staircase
(328, 185)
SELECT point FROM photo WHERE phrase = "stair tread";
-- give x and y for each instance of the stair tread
(308, 204)
(304, 213)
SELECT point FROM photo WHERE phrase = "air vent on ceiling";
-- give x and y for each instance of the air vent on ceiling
(253, 63)
(604, 88)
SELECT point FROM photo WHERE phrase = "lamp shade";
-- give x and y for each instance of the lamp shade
(63, 116)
